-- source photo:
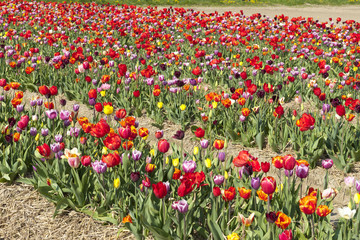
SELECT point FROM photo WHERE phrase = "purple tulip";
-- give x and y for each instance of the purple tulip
(51, 114)
(33, 131)
(99, 167)
(76, 107)
(326, 108)
(44, 132)
(189, 166)
(302, 171)
(289, 173)
(58, 138)
(221, 156)
(167, 184)
(39, 102)
(357, 186)
(255, 183)
(327, 163)
(136, 155)
(55, 147)
(64, 115)
(182, 206)
(204, 143)
(20, 108)
(92, 101)
(219, 179)
(33, 103)
(2, 98)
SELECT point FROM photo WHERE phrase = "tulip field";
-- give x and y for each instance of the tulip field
(90, 91)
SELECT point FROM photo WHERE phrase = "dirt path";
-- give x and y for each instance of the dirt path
(322, 13)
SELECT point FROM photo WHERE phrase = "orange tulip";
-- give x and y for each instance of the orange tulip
(127, 219)
(263, 196)
(283, 221)
(244, 193)
(323, 210)
(308, 204)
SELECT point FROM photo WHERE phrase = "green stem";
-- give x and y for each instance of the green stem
(185, 230)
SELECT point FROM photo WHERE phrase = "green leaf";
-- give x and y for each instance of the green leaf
(260, 139)
(215, 230)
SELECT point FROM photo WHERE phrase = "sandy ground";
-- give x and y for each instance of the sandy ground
(24, 214)
(322, 13)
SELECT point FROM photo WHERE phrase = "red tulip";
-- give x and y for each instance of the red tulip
(216, 191)
(306, 122)
(98, 107)
(242, 159)
(163, 145)
(113, 141)
(92, 93)
(340, 110)
(86, 160)
(111, 159)
(136, 93)
(44, 150)
(219, 144)
(44, 90)
(100, 129)
(125, 132)
(199, 132)
(185, 188)
(279, 111)
(265, 167)
(121, 113)
(53, 91)
(229, 194)
(268, 185)
(197, 71)
(122, 69)
(160, 190)
(317, 91)
(289, 162)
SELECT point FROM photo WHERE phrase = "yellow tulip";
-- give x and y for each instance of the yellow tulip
(214, 104)
(104, 150)
(116, 183)
(37, 137)
(108, 109)
(357, 198)
(226, 175)
(152, 152)
(167, 160)
(208, 163)
(182, 107)
(233, 236)
(160, 105)
(102, 93)
(196, 150)
(175, 162)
